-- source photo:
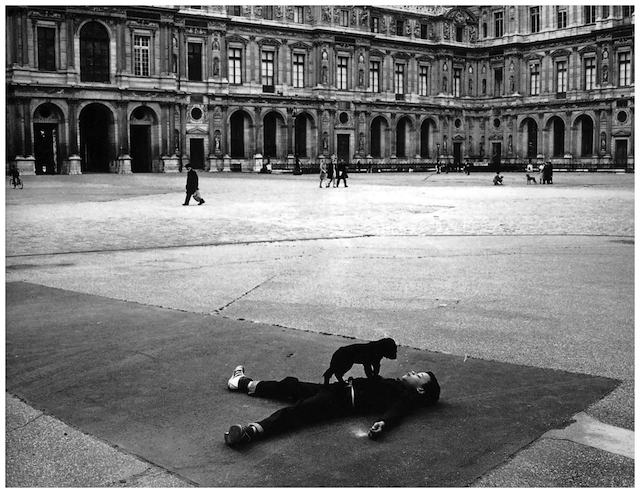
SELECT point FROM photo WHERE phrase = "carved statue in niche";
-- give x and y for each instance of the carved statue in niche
(603, 142)
(364, 18)
(383, 25)
(216, 142)
(512, 84)
(360, 77)
(484, 86)
(216, 44)
(324, 75)
(325, 141)
(481, 148)
(278, 12)
(289, 12)
(470, 87)
(216, 66)
(510, 146)
(444, 85)
(605, 73)
(326, 14)
(361, 143)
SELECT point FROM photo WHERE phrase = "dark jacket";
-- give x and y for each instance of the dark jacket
(192, 181)
(390, 398)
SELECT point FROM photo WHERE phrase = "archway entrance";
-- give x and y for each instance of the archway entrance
(239, 134)
(96, 123)
(140, 138)
(46, 139)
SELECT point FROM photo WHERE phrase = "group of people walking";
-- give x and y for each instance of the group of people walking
(333, 170)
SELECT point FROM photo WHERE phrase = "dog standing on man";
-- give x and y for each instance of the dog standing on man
(368, 354)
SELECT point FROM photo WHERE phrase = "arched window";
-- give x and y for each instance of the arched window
(94, 53)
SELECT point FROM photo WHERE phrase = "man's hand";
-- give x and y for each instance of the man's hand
(376, 430)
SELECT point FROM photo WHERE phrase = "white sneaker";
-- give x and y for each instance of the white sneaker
(237, 374)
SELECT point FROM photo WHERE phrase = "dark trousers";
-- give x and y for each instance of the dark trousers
(313, 403)
(342, 177)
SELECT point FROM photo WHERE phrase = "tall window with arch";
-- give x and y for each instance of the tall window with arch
(94, 53)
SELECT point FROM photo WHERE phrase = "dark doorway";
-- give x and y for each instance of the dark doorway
(196, 153)
(558, 138)
(587, 137)
(532, 139)
(621, 153)
(301, 136)
(95, 121)
(270, 135)
(45, 147)
(343, 147)
(496, 155)
(424, 139)
(140, 148)
(457, 153)
(237, 135)
(401, 134)
(376, 137)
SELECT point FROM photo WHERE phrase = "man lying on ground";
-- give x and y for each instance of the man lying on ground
(313, 402)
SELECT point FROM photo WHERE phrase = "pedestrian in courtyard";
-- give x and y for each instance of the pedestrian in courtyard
(497, 180)
(547, 173)
(323, 172)
(331, 169)
(311, 403)
(192, 186)
(342, 173)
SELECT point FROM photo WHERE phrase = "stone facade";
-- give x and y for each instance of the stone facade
(149, 89)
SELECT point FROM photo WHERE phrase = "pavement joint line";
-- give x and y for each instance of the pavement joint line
(319, 238)
(593, 433)
(245, 294)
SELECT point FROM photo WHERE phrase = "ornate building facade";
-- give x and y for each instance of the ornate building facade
(148, 89)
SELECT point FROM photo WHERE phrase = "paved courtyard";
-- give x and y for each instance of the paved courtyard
(541, 276)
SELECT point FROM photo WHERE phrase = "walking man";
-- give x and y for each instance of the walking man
(192, 187)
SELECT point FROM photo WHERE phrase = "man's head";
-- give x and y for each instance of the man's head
(424, 383)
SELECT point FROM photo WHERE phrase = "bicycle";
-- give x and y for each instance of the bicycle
(16, 182)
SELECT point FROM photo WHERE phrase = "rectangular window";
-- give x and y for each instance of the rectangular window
(268, 12)
(375, 25)
(561, 17)
(235, 66)
(424, 33)
(236, 10)
(374, 73)
(627, 10)
(534, 79)
(589, 14)
(423, 80)
(498, 21)
(46, 48)
(194, 59)
(298, 70)
(457, 81)
(459, 34)
(399, 78)
(344, 18)
(267, 68)
(400, 28)
(561, 77)
(343, 64)
(534, 13)
(605, 12)
(298, 15)
(624, 69)
(497, 86)
(589, 73)
(141, 55)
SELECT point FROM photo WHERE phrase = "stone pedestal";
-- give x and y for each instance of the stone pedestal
(26, 165)
(226, 163)
(257, 163)
(171, 164)
(124, 164)
(74, 167)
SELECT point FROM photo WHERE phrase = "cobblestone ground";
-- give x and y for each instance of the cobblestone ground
(63, 214)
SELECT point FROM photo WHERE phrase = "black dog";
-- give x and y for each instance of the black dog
(531, 179)
(369, 355)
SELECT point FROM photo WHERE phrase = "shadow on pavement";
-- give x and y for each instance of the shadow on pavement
(152, 381)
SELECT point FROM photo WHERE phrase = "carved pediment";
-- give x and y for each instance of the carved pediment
(234, 38)
(269, 42)
(197, 131)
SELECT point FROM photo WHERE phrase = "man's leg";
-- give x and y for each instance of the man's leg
(314, 403)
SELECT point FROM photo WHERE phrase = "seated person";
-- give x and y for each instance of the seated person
(313, 402)
(497, 180)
